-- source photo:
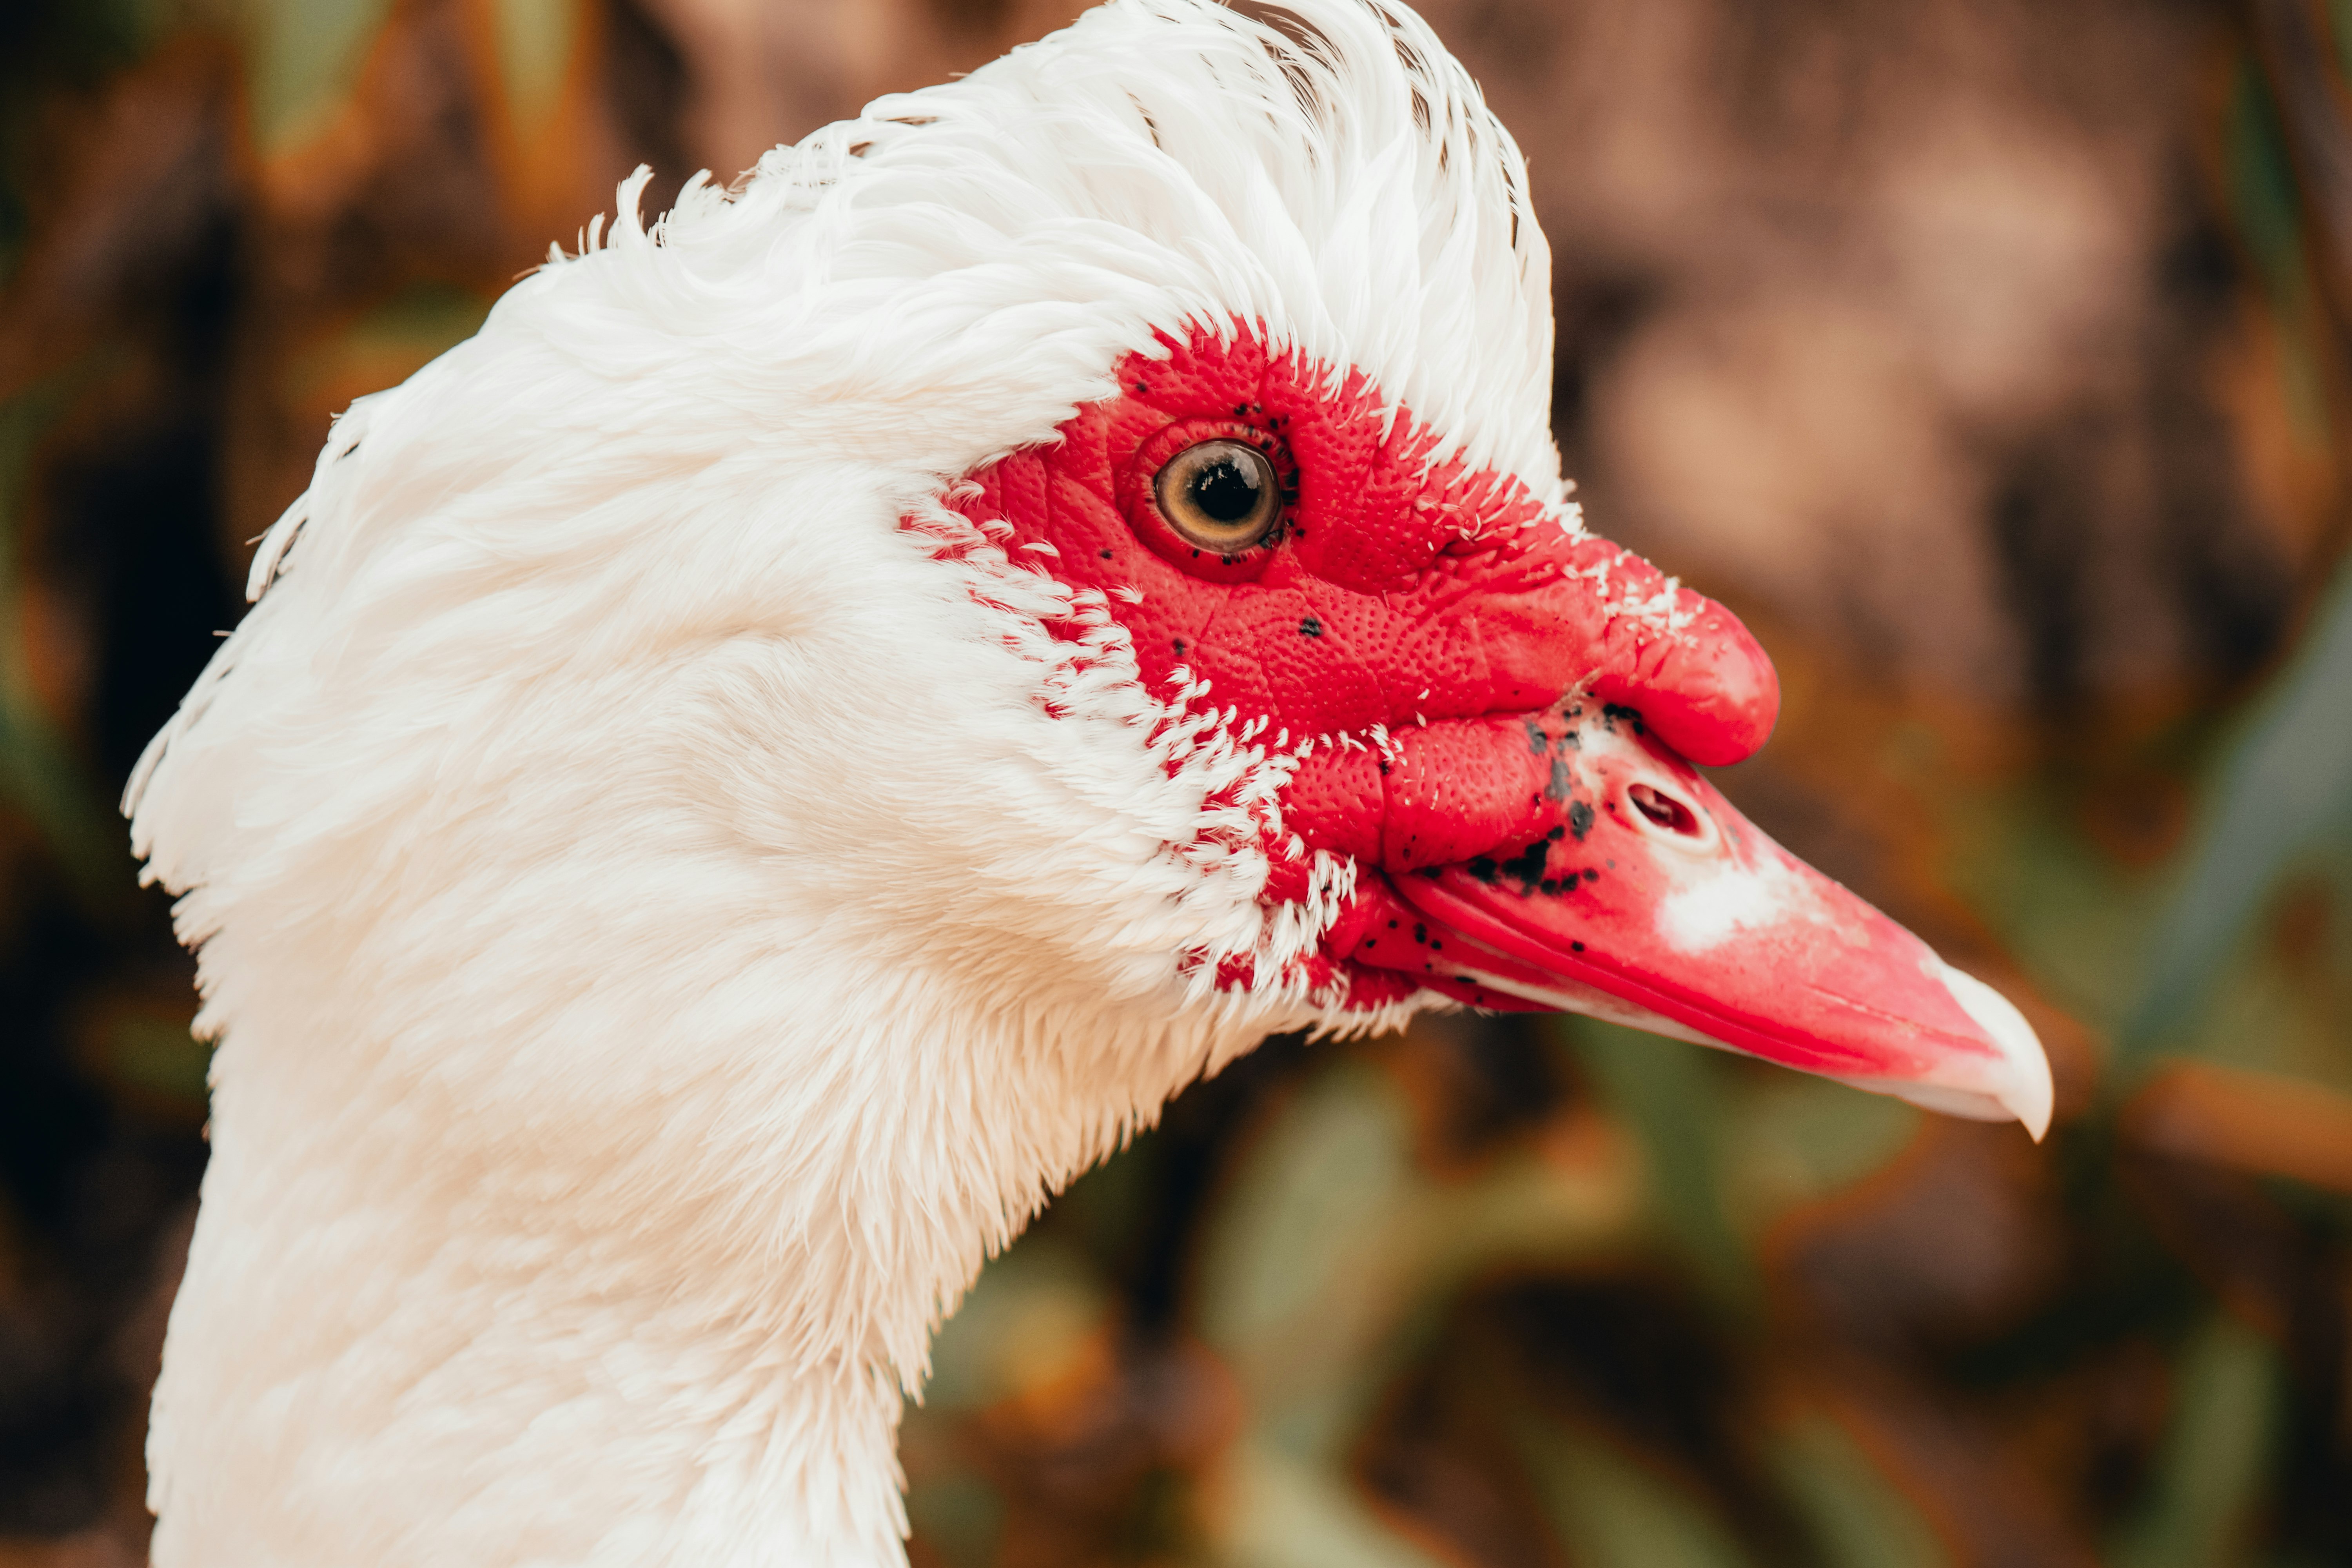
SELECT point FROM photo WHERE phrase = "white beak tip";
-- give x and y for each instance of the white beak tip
(2025, 1090)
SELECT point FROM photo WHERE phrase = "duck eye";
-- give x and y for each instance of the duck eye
(1219, 495)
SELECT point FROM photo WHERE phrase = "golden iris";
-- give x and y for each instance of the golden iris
(1219, 495)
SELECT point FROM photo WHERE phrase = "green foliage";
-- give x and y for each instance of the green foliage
(39, 774)
(535, 45)
(2283, 787)
(2222, 1438)
(1857, 1517)
(302, 56)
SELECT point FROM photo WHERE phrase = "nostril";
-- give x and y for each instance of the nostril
(1663, 809)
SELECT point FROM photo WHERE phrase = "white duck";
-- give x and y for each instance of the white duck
(745, 776)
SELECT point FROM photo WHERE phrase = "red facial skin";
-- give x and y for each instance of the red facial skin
(1443, 604)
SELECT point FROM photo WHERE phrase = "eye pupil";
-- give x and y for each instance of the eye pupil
(1225, 492)
(1220, 495)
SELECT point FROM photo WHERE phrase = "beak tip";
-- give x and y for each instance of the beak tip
(2027, 1094)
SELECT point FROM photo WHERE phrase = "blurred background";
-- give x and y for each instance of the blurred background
(1987, 356)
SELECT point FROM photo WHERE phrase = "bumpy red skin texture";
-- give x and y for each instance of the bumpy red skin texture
(1440, 602)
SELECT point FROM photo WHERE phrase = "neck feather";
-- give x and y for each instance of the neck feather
(646, 1319)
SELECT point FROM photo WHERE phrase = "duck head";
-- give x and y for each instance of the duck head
(745, 775)
(1471, 725)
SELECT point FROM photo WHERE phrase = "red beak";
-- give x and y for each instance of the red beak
(1649, 901)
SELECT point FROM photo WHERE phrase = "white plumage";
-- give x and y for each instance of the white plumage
(678, 879)
(657, 940)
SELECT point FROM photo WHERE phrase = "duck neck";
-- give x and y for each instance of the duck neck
(647, 1308)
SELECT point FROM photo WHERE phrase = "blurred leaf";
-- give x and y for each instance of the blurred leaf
(1025, 1317)
(2261, 1124)
(1331, 1248)
(386, 346)
(1667, 1093)
(1326, 1174)
(2262, 193)
(535, 39)
(40, 777)
(1298, 1290)
(960, 1516)
(38, 774)
(2217, 1451)
(1614, 1513)
(1858, 1519)
(1282, 1513)
(2267, 205)
(301, 58)
(1793, 1137)
(158, 1056)
(2280, 788)
(1327, 1264)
